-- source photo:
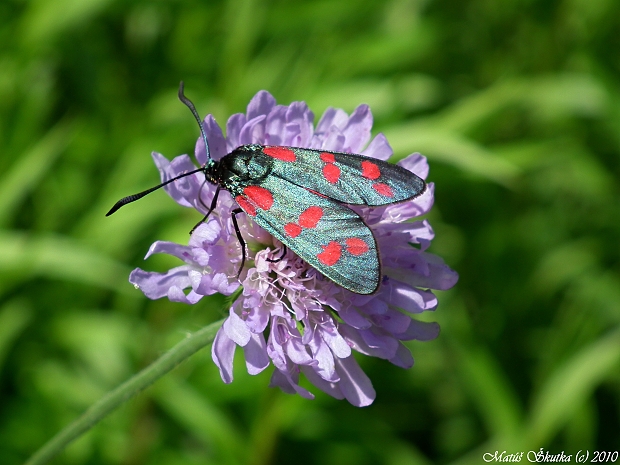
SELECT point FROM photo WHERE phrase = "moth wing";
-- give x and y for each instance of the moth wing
(328, 235)
(346, 177)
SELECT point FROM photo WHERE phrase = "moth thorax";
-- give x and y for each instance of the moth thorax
(249, 165)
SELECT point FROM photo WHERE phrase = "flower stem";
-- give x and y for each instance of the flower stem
(184, 349)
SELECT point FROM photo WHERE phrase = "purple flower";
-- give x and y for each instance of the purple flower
(286, 313)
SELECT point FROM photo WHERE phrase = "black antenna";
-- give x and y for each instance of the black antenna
(139, 195)
(192, 108)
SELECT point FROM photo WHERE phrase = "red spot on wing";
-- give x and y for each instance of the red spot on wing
(245, 205)
(281, 153)
(310, 217)
(331, 253)
(331, 173)
(260, 196)
(383, 189)
(370, 170)
(328, 157)
(356, 246)
(292, 229)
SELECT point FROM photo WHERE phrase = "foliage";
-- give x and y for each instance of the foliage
(516, 104)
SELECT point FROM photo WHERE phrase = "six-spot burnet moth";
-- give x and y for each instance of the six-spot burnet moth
(301, 197)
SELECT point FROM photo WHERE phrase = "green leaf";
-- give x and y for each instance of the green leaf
(62, 258)
(570, 386)
(30, 167)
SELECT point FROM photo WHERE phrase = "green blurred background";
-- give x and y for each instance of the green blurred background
(516, 103)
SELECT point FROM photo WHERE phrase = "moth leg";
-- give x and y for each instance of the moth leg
(273, 260)
(213, 205)
(239, 237)
(200, 195)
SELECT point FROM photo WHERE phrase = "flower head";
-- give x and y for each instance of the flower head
(286, 312)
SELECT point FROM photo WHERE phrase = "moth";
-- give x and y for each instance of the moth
(302, 196)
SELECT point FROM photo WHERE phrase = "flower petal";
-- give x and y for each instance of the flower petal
(253, 132)
(297, 351)
(439, 275)
(352, 316)
(402, 358)
(409, 298)
(298, 130)
(257, 319)
(274, 126)
(261, 104)
(332, 117)
(336, 343)
(378, 148)
(327, 387)
(424, 202)
(233, 128)
(325, 366)
(419, 231)
(157, 285)
(168, 171)
(419, 206)
(255, 352)
(357, 130)
(216, 283)
(288, 385)
(223, 353)
(354, 384)
(171, 248)
(236, 329)
(416, 163)
(393, 321)
(217, 142)
(176, 294)
(334, 140)
(201, 257)
(382, 345)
